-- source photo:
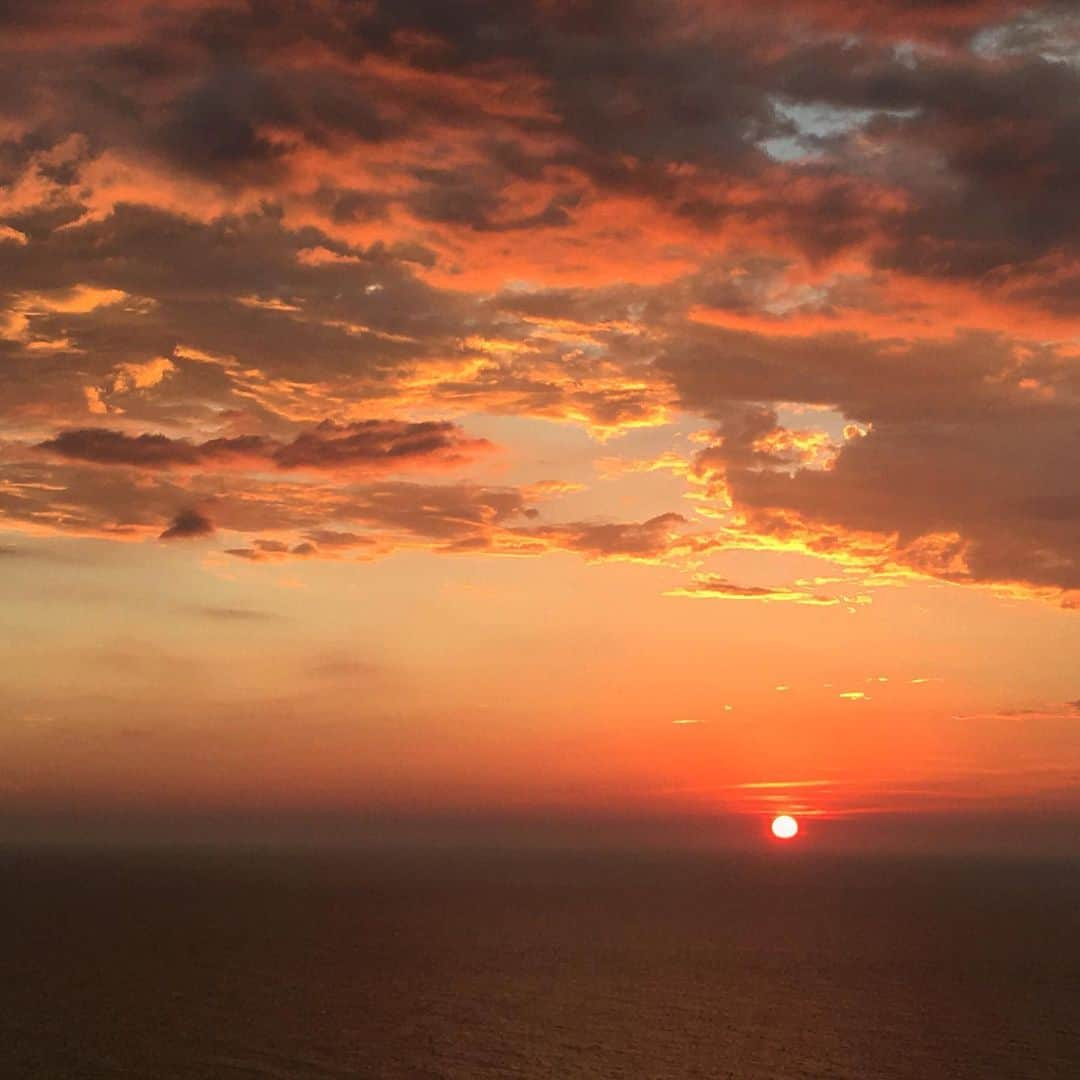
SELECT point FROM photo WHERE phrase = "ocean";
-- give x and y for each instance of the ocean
(467, 965)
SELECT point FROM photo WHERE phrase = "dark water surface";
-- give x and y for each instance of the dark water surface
(470, 966)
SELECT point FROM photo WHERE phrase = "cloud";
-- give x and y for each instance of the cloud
(224, 225)
(105, 447)
(367, 445)
(1050, 711)
(379, 444)
(718, 588)
(271, 551)
(187, 525)
(127, 377)
(646, 541)
(982, 464)
(235, 614)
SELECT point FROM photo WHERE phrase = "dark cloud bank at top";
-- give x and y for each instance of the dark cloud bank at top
(232, 234)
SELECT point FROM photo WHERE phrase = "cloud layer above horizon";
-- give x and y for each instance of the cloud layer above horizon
(268, 268)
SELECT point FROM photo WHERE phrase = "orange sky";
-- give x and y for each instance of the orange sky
(654, 414)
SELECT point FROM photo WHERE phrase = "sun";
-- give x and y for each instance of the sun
(784, 827)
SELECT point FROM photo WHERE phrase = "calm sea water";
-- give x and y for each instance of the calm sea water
(468, 966)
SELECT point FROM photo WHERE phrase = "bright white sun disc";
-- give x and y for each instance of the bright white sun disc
(784, 827)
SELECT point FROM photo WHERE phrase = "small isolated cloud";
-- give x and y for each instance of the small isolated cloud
(346, 668)
(235, 614)
(854, 695)
(272, 551)
(641, 541)
(1045, 711)
(717, 588)
(188, 525)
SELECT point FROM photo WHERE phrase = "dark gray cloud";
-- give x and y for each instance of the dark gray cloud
(187, 525)
(370, 445)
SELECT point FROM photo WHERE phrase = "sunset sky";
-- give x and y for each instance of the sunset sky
(646, 415)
